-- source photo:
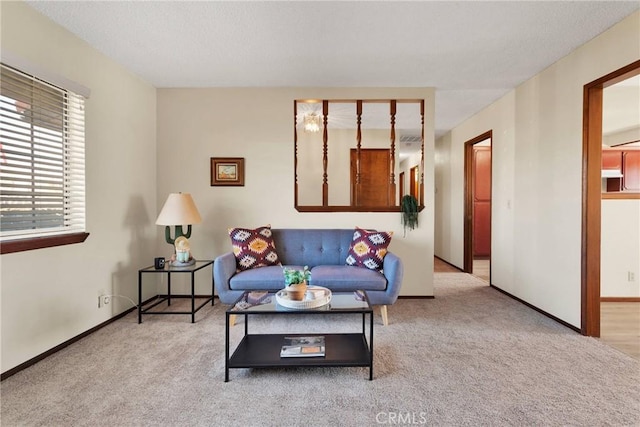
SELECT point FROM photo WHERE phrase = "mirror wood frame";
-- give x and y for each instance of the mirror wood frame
(325, 206)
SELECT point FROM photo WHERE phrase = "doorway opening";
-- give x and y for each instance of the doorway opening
(592, 196)
(477, 206)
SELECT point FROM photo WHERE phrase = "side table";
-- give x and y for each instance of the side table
(169, 270)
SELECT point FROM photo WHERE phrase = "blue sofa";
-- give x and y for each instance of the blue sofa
(324, 251)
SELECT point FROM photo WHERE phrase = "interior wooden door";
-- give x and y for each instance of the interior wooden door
(374, 177)
(413, 182)
(481, 202)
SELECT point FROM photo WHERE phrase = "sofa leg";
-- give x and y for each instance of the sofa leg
(383, 312)
(232, 320)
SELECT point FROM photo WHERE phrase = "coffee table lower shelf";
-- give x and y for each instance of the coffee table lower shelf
(263, 351)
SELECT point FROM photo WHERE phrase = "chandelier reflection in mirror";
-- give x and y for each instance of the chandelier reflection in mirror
(358, 155)
(311, 122)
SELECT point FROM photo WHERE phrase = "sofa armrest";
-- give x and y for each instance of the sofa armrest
(394, 271)
(224, 268)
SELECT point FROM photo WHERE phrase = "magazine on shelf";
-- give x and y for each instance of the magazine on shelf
(258, 297)
(251, 299)
(312, 346)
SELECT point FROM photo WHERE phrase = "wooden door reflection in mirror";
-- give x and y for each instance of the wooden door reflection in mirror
(414, 184)
(349, 154)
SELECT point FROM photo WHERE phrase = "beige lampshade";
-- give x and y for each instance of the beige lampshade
(179, 209)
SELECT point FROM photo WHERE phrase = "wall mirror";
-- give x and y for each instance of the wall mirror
(358, 155)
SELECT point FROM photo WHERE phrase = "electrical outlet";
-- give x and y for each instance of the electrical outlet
(631, 277)
(103, 300)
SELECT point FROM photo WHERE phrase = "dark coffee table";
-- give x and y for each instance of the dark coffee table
(263, 350)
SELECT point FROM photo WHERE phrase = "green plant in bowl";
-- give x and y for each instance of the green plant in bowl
(293, 276)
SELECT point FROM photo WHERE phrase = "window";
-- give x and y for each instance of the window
(42, 188)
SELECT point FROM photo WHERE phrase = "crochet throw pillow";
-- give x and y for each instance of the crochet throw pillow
(253, 247)
(368, 248)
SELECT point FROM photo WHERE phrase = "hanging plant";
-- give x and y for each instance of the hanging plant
(409, 209)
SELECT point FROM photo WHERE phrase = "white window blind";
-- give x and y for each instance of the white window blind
(42, 166)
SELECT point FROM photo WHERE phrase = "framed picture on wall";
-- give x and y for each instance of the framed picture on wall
(227, 171)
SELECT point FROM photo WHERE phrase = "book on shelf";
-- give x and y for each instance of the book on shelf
(312, 346)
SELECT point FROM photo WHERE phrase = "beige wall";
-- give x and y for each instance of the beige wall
(50, 295)
(256, 123)
(620, 248)
(537, 172)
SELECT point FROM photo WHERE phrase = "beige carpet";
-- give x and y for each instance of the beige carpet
(471, 356)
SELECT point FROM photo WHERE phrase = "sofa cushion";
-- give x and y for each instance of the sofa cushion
(253, 247)
(347, 278)
(335, 277)
(265, 278)
(368, 248)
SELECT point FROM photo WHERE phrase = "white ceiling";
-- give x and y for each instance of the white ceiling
(472, 52)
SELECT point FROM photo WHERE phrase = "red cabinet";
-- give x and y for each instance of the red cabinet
(631, 171)
(612, 159)
(627, 162)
